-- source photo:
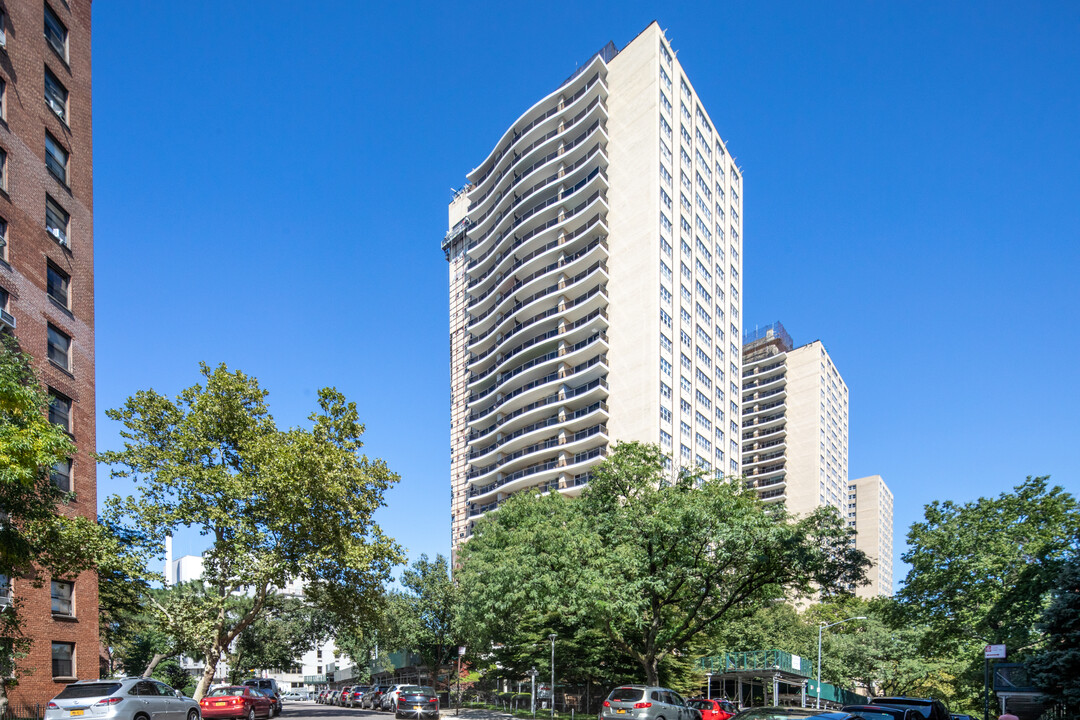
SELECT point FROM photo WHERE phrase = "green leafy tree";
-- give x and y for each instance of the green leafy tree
(430, 600)
(123, 585)
(1056, 667)
(982, 572)
(39, 537)
(276, 505)
(651, 559)
(288, 628)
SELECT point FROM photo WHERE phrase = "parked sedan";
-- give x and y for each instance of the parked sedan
(372, 699)
(418, 701)
(712, 709)
(120, 700)
(356, 696)
(236, 701)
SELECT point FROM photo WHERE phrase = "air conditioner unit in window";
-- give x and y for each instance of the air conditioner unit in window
(7, 319)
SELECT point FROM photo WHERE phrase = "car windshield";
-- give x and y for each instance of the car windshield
(906, 704)
(700, 704)
(72, 692)
(625, 694)
(225, 691)
(878, 714)
(405, 689)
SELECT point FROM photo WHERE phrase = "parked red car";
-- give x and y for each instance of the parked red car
(236, 701)
(712, 709)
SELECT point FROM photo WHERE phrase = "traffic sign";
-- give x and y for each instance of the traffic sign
(995, 652)
(461, 650)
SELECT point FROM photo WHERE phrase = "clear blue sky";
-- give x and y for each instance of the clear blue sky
(272, 181)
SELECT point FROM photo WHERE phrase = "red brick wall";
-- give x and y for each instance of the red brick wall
(22, 204)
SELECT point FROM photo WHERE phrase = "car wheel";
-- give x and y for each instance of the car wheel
(193, 715)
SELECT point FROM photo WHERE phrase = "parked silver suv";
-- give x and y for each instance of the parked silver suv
(645, 702)
(127, 699)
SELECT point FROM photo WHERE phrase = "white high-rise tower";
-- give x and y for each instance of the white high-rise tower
(595, 285)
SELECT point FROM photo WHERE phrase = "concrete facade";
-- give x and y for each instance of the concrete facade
(47, 283)
(795, 426)
(595, 286)
(870, 513)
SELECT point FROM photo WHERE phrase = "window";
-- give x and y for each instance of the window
(5, 591)
(665, 342)
(60, 475)
(3, 169)
(665, 295)
(56, 158)
(665, 78)
(665, 414)
(59, 410)
(665, 104)
(63, 659)
(665, 439)
(665, 128)
(56, 95)
(3, 99)
(665, 367)
(59, 346)
(665, 389)
(61, 593)
(56, 34)
(56, 221)
(56, 284)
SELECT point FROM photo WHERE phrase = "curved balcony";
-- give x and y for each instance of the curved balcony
(776, 406)
(541, 472)
(589, 392)
(595, 297)
(569, 332)
(753, 461)
(571, 264)
(509, 463)
(521, 241)
(762, 422)
(528, 393)
(762, 472)
(542, 155)
(535, 367)
(568, 420)
(488, 172)
(765, 383)
(597, 225)
(481, 284)
(548, 212)
(490, 318)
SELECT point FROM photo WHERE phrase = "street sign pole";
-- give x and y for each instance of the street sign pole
(997, 652)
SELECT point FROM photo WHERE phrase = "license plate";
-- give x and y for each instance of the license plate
(415, 707)
(621, 712)
(76, 712)
(219, 704)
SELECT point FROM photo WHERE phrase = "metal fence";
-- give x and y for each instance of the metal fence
(24, 711)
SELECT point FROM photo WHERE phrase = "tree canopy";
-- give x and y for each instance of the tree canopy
(276, 505)
(651, 558)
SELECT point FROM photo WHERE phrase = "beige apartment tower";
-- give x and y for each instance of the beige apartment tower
(595, 286)
(795, 443)
(870, 513)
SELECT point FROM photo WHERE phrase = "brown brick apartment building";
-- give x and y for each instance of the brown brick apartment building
(47, 291)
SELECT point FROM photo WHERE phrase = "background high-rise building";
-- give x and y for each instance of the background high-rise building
(595, 285)
(47, 294)
(870, 513)
(795, 443)
(795, 421)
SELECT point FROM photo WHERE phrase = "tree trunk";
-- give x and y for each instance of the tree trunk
(3, 697)
(152, 665)
(652, 672)
(211, 660)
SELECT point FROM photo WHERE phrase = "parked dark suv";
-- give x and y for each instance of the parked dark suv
(929, 708)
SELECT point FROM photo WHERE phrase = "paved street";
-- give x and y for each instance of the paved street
(311, 709)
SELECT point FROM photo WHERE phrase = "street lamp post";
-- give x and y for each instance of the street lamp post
(551, 637)
(708, 689)
(825, 626)
(534, 672)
